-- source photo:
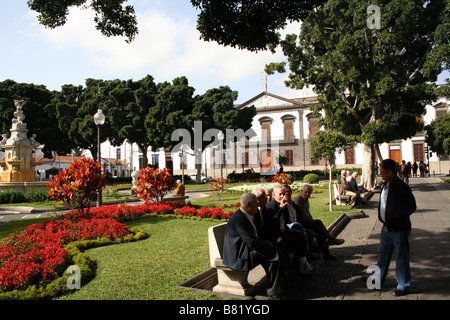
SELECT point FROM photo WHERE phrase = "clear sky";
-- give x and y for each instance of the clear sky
(167, 46)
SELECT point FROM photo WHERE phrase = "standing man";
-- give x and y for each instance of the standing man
(243, 249)
(397, 203)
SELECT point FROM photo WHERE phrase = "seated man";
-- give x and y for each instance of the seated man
(345, 189)
(243, 249)
(180, 190)
(290, 240)
(353, 187)
(324, 239)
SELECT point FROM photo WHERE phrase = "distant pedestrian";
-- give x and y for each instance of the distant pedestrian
(414, 168)
(397, 203)
(422, 168)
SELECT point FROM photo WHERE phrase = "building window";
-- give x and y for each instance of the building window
(441, 112)
(265, 127)
(350, 155)
(118, 153)
(246, 160)
(313, 126)
(418, 152)
(288, 126)
(266, 124)
(290, 157)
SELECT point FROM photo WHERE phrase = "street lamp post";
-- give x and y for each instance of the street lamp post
(220, 136)
(99, 120)
(181, 155)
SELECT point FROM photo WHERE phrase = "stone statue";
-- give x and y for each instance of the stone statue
(19, 113)
(33, 141)
(4, 139)
(135, 177)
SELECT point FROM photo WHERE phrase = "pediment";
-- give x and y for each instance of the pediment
(267, 101)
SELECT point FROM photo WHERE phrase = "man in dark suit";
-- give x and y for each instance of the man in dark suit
(290, 240)
(397, 203)
(243, 249)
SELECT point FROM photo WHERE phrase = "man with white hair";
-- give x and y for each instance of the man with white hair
(243, 248)
(181, 189)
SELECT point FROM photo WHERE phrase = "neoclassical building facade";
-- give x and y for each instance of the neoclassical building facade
(282, 126)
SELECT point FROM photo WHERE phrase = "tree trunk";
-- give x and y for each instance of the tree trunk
(330, 175)
(143, 148)
(368, 168)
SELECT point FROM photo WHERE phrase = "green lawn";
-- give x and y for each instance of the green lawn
(151, 269)
(176, 250)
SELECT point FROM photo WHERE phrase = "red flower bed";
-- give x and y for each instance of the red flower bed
(33, 257)
(37, 255)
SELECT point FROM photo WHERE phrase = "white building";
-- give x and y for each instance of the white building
(282, 126)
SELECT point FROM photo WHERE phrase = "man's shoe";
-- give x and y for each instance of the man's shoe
(400, 293)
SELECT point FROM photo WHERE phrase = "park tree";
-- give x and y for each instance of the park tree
(62, 111)
(372, 70)
(39, 119)
(323, 145)
(246, 24)
(174, 102)
(104, 95)
(438, 135)
(249, 24)
(112, 17)
(215, 110)
(144, 93)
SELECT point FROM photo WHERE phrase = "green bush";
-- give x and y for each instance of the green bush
(12, 196)
(311, 178)
(37, 195)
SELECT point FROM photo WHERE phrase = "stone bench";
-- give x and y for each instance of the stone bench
(340, 199)
(229, 281)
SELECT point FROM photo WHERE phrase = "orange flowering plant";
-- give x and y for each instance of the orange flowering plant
(281, 178)
(78, 186)
(217, 185)
(154, 184)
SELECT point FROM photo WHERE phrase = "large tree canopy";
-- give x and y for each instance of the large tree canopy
(246, 24)
(112, 18)
(249, 24)
(372, 81)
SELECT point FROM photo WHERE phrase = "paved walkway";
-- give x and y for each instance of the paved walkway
(430, 253)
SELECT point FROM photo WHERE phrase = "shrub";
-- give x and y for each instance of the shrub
(282, 178)
(153, 184)
(311, 178)
(37, 195)
(12, 196)
(77, 186)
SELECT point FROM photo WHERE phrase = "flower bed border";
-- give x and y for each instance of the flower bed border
(88, 267)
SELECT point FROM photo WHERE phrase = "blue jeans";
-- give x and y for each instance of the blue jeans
(398, 240)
